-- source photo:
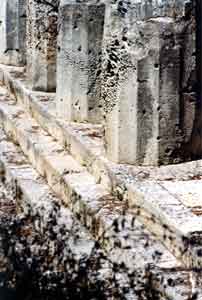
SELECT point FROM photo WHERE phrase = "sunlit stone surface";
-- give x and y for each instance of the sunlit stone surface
(148, 118)
(79, 62)
(100, 150)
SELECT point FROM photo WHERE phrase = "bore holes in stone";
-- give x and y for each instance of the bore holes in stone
(59, 48)
(168, 150)
(158, 108)
(98, 72)
(171, 282)
(199, 252)
(75, 26)
(156, 66)
(79, 48)
(144, 111)
(158, 138)
(117, 42)
(89, 52)
(91, 20)
(124, 38)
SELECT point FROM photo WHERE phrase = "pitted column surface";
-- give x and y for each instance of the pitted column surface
(79, 62)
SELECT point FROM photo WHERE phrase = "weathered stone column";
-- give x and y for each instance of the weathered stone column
(12, 32)
(41, 45)
(195, 143)
(141, 75)
(79, 61)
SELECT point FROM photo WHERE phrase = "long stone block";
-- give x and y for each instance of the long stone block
(79, 62)
(141, 91)
(12, 32)
(84, 144)
(123, 237)
(41, 45)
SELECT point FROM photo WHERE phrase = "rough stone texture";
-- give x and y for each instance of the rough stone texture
(119, 87)
(147, 69)
(142, 109)
(187, 38)
(166, 209)
(92, 202)
(140, 266)
(149, 53)
(41, 41)
(79, 61)
(84, 143)
(146, 9)
(12, 32)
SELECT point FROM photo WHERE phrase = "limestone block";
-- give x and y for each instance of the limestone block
(141, 75)
(145, 9)
(41, 45)
(12, 32)
(79, 62)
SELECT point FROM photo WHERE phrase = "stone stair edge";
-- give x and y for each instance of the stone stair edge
(40, 160)
(168, 271)
(120, 185)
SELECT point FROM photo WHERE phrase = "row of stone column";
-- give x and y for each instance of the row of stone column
(109, 65)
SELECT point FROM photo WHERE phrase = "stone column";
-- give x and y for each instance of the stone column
(41, 45)
(79, 62)
(140, 92)
(119, 83)
(12, 32)
(195, 144)
(22, 19)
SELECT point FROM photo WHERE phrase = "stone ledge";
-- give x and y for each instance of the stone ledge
(31, 188)
(84, 142)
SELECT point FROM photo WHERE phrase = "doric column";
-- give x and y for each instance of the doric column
(12, 32)
(141, 75)
(79, 62)
(41, 45)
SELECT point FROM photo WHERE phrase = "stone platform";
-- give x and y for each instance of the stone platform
(108, 199)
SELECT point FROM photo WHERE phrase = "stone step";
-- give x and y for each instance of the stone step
(24, 193)
(160, 209)
(33, 197)
(122, 236)
(32, 193)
